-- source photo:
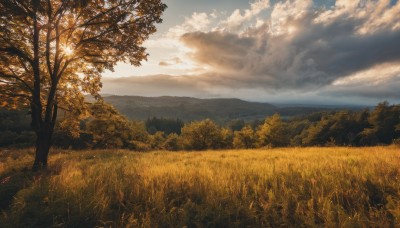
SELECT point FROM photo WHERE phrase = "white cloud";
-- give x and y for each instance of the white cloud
(374, 76)
(237, 19)
(284, 12)
(347, 4)
(380, 16)
(196, 22)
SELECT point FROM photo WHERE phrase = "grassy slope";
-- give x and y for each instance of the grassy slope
(294, 187)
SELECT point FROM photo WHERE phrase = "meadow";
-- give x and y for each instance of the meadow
(288, 187)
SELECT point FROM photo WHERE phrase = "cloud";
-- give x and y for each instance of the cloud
(218, 49)
(198, 21)
(380, 82)
(295, 49)
(170, 43)
(163, 63)
(170, 62)
(346, 4)
(237, 19)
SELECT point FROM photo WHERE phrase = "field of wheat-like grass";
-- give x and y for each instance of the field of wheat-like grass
(291, 187)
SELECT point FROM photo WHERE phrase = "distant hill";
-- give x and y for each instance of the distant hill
(187, 108)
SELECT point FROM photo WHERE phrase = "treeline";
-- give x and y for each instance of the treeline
(107, 128)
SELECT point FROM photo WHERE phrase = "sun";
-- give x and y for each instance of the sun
(68, 50)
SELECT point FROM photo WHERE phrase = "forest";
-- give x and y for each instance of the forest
(106, 128)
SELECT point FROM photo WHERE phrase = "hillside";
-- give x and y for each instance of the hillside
(187, 108)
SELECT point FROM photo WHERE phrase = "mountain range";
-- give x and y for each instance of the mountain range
(217, 109)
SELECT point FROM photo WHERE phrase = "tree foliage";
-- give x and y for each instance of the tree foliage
(201, 135)
(384, 121)
(108, 127)
(105, 128)
(172, 142)
(167, 126)
(273, 132)
(245, 138)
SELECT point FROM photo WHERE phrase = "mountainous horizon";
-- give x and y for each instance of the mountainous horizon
(286, 103)
(218, 109)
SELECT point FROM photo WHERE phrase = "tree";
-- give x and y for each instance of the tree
(245, 138)
(297, 129)
(167, 126)
(51, 52)
(171, 142)
(226, 138)
(273, 132)
(236, 125)
(383, 121)
(201, 135)
(109, 129)
(156, 140)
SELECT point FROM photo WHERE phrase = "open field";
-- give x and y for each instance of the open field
(292, 187)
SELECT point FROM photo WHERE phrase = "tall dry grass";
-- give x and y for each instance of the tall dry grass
(292, 187)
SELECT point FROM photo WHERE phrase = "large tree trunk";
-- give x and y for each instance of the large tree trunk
(43, 143)
(43, 140)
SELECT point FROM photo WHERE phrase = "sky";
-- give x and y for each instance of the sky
(295, 51)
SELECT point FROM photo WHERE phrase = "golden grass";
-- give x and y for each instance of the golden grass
(290, 187)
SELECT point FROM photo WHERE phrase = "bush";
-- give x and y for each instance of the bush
(171, 143)
(156, 140)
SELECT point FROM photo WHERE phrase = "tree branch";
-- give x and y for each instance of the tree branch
(102, 14)
(16, 52)
(15, 95)
(48, 36)
(2, 75)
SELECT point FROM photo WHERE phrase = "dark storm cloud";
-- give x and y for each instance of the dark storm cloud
(339, 55)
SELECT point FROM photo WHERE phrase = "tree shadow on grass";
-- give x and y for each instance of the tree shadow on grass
(22, 177)
(12, 182)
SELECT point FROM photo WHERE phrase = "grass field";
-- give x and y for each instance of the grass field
(293, 187)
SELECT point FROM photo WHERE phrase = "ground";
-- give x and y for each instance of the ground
(290, 187)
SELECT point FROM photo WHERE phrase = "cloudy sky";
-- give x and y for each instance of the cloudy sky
(298, 51)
